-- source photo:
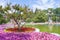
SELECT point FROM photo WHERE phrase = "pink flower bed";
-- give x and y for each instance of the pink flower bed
(27, 36)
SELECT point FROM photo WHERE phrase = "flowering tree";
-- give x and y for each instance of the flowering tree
(16, 13)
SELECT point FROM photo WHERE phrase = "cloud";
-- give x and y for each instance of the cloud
(40, 4)
(44, 4)
(58, 4)
(4, 2)
(44, 1)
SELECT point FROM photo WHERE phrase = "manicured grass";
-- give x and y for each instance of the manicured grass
(45, 28)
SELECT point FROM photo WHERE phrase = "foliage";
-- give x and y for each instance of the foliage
(14, 12)
(2, 16)
(40, 16)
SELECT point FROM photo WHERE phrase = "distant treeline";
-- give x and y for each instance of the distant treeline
(27, 14)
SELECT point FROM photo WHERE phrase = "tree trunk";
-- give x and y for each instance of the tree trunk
(19, 27)
(18, 24)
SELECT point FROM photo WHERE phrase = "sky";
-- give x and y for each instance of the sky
(33, 4)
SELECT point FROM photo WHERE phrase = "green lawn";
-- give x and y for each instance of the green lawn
(45, 28)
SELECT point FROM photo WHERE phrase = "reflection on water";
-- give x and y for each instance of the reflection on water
(54, 28)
